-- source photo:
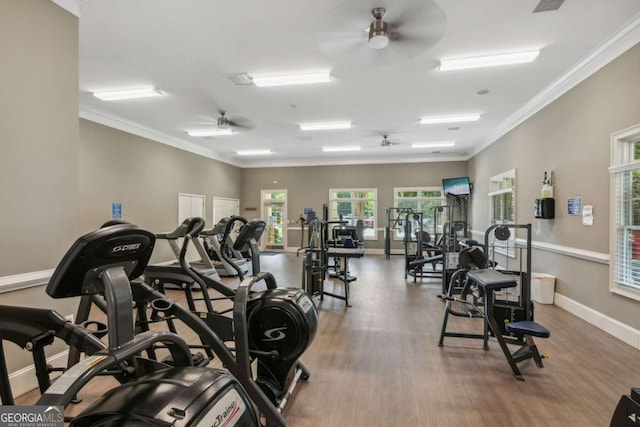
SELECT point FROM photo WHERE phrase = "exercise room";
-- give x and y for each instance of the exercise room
(336, 213)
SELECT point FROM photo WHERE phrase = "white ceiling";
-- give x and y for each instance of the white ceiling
(187, 48)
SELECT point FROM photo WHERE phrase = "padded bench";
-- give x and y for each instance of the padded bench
(491, 281)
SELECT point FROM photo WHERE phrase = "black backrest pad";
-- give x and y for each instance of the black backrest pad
(124, 245)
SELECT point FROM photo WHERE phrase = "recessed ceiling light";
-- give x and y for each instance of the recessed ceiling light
(211, 132)
(433, 144)
(489, 60)
(116, 95)
(325, 126)
(449, 119)
(252, 152)
(291, 79)
(341, 148)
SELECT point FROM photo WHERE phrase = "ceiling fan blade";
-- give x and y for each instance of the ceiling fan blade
(345, 43)
(423, 24)
(241, 123)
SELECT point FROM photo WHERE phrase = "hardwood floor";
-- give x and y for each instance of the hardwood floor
(377, 363)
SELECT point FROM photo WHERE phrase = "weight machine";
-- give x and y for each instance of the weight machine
(391, 223)
(502, 297)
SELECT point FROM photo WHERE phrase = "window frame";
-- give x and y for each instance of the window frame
(398, 234)
(622, 161)
(498, 188)
(352, 199)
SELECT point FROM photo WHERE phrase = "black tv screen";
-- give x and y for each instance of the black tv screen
(456, 186)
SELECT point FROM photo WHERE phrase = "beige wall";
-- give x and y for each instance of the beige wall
(39, 162)
(571, 138)
(309, 187)
(145, 177)
(39, 123)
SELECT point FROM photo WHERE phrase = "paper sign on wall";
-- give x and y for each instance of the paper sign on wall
(587, 215)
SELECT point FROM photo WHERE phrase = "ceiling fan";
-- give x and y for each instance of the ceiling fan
(234, 123)
(401, 30)
(386, 143)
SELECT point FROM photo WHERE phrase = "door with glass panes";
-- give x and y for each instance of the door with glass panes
(274, 213)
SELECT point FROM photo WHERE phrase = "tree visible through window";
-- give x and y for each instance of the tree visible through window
(352, 205)
(420, 199)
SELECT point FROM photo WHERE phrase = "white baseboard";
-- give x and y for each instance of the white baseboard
(25, 379)
(611, 326)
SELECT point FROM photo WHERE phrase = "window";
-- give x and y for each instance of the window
(624, 268)
(502, 202)
(420, 199)
(502, 196)
(354, 204)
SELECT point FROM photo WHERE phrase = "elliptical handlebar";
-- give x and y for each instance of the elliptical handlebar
(223, 244)
(240, 317)
(194, 227)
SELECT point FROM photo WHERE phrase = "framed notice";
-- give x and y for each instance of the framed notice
(574, 206)
(116, 210)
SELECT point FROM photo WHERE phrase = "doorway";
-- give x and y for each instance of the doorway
(274, 212)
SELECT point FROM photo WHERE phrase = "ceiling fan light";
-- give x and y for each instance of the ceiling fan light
(378, 35)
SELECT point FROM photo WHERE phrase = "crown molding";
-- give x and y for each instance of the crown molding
(624, 39)
(120, 123)
(347, 162)
(71, 6)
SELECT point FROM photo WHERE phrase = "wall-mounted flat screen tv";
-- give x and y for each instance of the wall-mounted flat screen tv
(456, 186)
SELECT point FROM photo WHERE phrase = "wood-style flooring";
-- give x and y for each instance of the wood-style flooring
(377, 363)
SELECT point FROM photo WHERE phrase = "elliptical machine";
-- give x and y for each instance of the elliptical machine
(273, 327)
(152, 394)
(280, 322)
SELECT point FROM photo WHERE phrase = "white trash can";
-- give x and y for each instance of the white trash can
(543, 288)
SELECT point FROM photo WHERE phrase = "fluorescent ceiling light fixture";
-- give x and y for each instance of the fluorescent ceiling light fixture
(115, 95)
(341, 148)
(433, 144)
(291, 79)
(252, 152)
(211, 132)
(431, 120)
(488, 61)
(325, 126)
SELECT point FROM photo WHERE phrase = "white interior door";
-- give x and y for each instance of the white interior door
(223, 208)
